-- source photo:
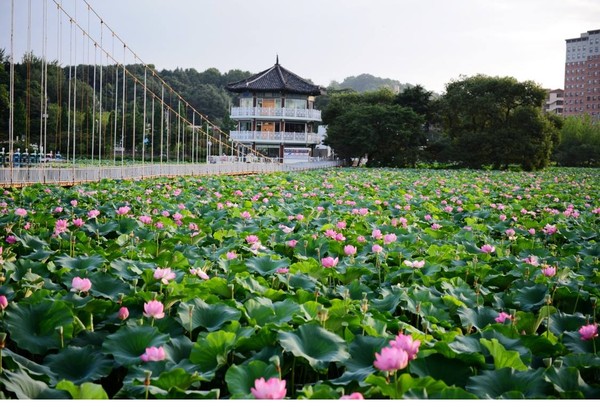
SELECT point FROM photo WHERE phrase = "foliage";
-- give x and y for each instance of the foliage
(498, 121)
(370, 125)
(247, 296)
(579, 143)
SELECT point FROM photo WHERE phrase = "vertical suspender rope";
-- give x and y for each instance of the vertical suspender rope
(45, 70)
(152, 135)
(42, 75)
(11, 121)
(123, 110)
(193, 134)
(145, 122)
(178, 128)
(162, 121)
(116, 94)
(100, 120)
(70, 79)
(133, 120)
(94, 122)
(75, 92)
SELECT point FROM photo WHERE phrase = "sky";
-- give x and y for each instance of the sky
(424, 42)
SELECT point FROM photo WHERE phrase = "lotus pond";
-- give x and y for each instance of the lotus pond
(350, 283)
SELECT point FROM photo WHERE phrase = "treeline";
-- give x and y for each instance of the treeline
(478, 122)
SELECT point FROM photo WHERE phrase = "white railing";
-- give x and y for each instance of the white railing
(279, 113)
(14, 177)
(267, 137)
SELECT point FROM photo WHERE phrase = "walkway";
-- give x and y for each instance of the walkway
(67, 176)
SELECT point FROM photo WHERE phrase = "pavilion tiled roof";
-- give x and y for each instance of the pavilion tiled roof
(275, 79)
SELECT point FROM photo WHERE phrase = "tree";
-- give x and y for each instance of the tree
(497, 121)
(579, 143)
(371, 125)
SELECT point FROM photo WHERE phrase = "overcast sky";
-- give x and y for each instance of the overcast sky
(426, 42)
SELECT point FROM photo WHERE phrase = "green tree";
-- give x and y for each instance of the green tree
(579, 143)
(497, 121)
(371, 125)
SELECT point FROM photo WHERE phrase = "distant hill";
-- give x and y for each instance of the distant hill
(367, 82)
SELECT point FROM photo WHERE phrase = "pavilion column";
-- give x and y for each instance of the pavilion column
(281, 152)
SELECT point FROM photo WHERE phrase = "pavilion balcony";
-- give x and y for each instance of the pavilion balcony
(299, 114)
(268, 137)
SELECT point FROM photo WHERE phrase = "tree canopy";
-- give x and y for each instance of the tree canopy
(498, 121)
(371, 125)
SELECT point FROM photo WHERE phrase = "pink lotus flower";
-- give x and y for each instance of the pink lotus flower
(532, 260)
(292, 243)
(354, 395)
(588, 332)
(531, 231)
(361, 239)
(199, 272)
(81, 284)
(376, 234)
(350, 250)
(273, 388)
(414, 264)
(154, 354)
(502, 317)
(329, 262)
(283, 270)
(20, 212)
(510, 233)
(487, 249)
(93, 213)
(408, 344)
(252, 239)
(231, 255)
(154, 309)
(246, 215)
(123, 210)
(11, 239)
(391, 359)
(61, 226)
(123, 313)
(549, 271)
(164, 275)
(341, 225)
(74, 203)
(436, 226)
(376, 248)
(550, 229)
(78, 222)
(147, 220)
(3, 302)
(58, 209)
(388, 238)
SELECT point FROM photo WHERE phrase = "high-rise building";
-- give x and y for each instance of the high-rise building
(582, 75)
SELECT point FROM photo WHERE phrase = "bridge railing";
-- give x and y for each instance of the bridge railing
(24, 176)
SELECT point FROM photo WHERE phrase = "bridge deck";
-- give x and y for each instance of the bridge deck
(66, 176)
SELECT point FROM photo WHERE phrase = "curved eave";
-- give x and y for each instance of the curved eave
(241, 89)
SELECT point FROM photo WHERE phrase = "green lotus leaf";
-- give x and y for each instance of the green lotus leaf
(568, 383)
(362, 355)
(84, 391)
(197, 313)
(266, 265)
(22, 268)
(452, 372)
(210, 352)
(405, 384)
(129, 270)
(79, 364)
(493, 384)
(581, 360)
(478, 317)
(240, 379)
(35, 327)
(572, 340)
(107, 286)
(80, 263)
(177, 378)
(531, 298)
(25, 387)
(502, 357)
(128, 343)
(263, 311)
(102, 229)
(317, 345)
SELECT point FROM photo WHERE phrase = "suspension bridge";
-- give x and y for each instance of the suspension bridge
(90, 108)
